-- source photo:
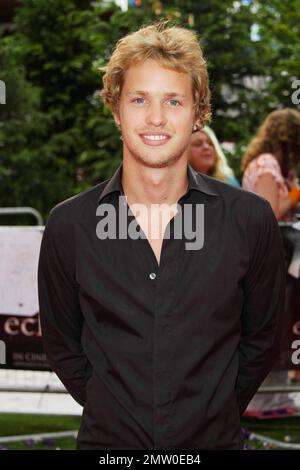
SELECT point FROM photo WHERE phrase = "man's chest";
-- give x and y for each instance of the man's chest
(135, 277)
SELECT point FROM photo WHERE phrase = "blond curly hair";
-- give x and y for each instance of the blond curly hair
(173, 47)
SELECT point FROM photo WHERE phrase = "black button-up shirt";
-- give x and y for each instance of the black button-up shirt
(168, 355)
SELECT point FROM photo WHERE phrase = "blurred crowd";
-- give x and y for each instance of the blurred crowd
(269, 164)
(269, 167)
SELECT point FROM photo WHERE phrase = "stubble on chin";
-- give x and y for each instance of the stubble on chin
(152, 161)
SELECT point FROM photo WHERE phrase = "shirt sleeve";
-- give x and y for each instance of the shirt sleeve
(262, 315)
(60, 313)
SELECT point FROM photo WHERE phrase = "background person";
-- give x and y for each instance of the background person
(207, 157)
(270, 166)
(271, 159)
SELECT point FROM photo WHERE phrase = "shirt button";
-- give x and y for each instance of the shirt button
(152, 275)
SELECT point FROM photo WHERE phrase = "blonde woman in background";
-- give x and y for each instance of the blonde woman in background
(206, 156)
(270, 162)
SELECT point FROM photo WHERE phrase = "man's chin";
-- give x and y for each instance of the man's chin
(158, 161)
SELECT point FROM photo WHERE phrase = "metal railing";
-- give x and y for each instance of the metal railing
(22, 210)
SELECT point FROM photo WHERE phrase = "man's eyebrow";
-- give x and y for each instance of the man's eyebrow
(167, 94)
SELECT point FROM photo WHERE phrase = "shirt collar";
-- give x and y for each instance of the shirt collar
(199, 182)
(196, 181)
(113, 185)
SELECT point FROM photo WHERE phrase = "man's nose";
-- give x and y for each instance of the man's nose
(155, 115)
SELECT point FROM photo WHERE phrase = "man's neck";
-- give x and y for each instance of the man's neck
(144, 185)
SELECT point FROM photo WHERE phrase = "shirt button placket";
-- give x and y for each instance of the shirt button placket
(165, 290)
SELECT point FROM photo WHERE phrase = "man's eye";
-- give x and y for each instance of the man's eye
(139, 100)
(174, 102)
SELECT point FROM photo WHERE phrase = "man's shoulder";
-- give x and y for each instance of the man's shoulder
(72, 208)
(247, 203)
(230, 191)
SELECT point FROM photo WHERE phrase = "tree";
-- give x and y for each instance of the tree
(279, 40)
(57, 139)
(57, 120)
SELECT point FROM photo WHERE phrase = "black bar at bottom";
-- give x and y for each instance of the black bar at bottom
(134, 459)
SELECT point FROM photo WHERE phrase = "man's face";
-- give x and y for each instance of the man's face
(156, 114)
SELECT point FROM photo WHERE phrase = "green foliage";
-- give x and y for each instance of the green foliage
(57, 139)
(280, 32)
(53, 129)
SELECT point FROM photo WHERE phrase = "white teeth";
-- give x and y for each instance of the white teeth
(155, 137)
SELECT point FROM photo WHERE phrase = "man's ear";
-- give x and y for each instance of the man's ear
(117, 119)
(196, 126)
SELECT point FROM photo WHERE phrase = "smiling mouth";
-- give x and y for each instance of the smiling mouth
(155, 140)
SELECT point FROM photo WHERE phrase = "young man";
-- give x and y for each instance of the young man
(161, 339)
